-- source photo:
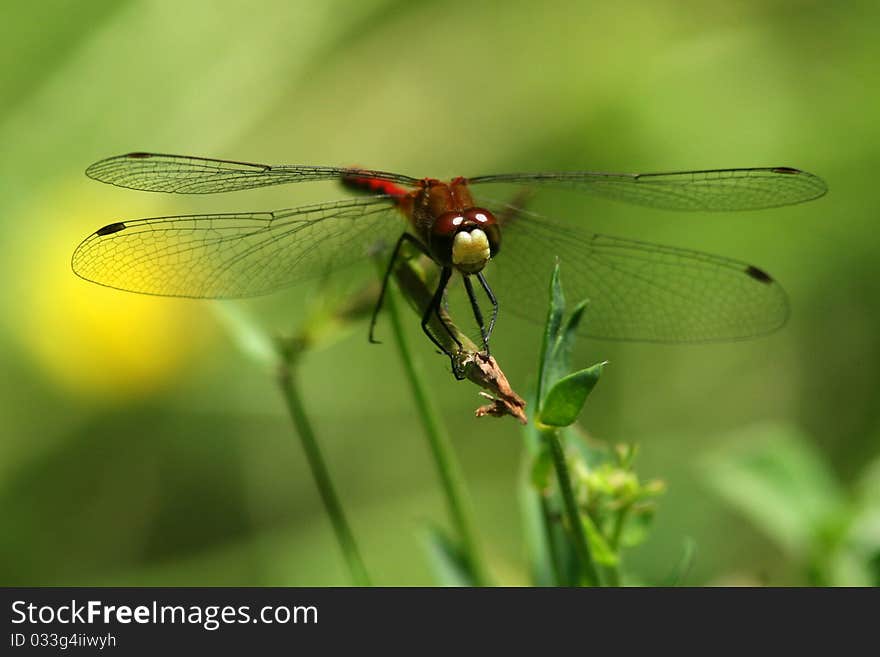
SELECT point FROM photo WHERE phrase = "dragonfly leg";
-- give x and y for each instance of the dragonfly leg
(434, 308)
(494, 303)
(478, 314)
(395, 254)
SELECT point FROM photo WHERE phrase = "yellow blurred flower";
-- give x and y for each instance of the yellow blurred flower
(91, 340)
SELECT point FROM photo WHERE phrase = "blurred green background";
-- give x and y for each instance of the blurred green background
(140, 445)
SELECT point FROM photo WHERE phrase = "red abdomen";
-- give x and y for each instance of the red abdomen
(372, 185)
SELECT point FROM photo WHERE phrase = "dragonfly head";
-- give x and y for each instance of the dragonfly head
(466, 240)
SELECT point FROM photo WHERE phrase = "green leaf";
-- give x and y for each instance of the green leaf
(566, 398)
(565, 341)
(542, 468)
(775, 477)
(681, 570)
(251, 339)
(447, 560)
(551, 333)
(600, 551)
(559, 362)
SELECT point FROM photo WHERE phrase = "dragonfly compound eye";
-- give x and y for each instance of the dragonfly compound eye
(486, 222)
(466, 240)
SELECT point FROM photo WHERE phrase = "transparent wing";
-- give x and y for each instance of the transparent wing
(721, 189)
(235, 255)
(636, 290)
(183, 174)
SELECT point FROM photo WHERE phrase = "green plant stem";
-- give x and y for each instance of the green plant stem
(552, 548)
(590, 575)
(619, 523)
(441, 449)
(322, 477)
(613, 572)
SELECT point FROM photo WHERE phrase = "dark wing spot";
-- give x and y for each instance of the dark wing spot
(786, 170)
(109, 229)
(139, 156)
(759, 274)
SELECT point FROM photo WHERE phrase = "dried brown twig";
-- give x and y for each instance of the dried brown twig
(478, 367)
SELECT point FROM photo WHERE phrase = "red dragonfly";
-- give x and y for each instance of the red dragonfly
(636, 290)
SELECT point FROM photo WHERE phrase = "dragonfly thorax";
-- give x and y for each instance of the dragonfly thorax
(466, 240)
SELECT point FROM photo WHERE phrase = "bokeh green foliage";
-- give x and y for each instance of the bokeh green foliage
(141, 447)
(830, 532)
